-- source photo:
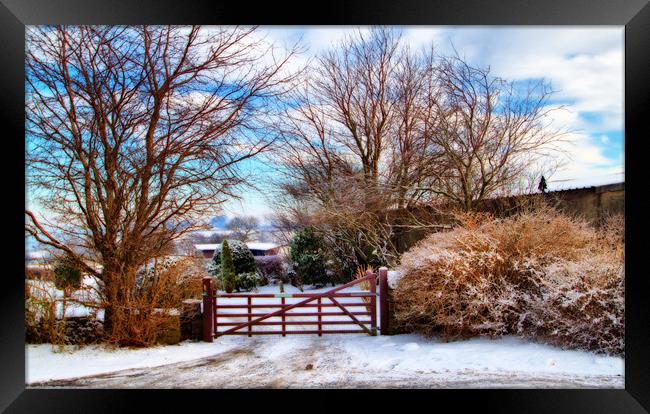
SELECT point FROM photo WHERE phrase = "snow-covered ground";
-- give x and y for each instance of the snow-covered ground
(348, 361)
(333, 360)
(45, 362)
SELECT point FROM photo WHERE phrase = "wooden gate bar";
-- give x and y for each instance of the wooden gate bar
(278, 305)
(301, 303)
(245, 315)
(320, 318)
(214, 307)
(279, 323)
(332, 331)
(250, 327)
(354, 318)
(284, 328)
(298, 295)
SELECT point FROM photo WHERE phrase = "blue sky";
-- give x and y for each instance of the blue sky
(583, 64)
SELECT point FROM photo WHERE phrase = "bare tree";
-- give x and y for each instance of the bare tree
(414, 156)
(491, 132)
(134, 133)
(244, 227)
(341, 116)
(355, 143)
(342, 169)
(201, 238)
(376, 131)
(354, 81)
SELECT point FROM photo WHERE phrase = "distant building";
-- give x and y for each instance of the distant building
(257, 248)
(263, 249)
(40, 262)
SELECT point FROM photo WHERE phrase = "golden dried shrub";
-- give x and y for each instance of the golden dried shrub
(539, 274)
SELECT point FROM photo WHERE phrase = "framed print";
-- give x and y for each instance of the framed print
(425, 198)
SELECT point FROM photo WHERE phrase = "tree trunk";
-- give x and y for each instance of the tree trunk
(108, 319)
(118, 285)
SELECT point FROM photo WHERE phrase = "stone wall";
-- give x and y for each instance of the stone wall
(591, 203)
(170, 332)
(88, 330)
(191, 320)
(78, 331)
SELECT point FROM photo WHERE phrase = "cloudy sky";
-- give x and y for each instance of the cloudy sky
(583, 64)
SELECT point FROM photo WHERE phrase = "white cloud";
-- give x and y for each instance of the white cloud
(423, 37)
(585, 65)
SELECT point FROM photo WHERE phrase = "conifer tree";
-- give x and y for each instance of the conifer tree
(227, 268)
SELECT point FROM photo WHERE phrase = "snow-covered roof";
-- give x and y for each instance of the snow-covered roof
(261, 246)
(250, 245)
(209, 246)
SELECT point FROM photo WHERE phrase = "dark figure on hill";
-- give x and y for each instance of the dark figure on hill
(542, 185)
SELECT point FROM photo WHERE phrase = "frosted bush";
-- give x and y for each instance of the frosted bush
(242, 257)
(582, 305)
(272, 267)
(540, 275)
(248, 281)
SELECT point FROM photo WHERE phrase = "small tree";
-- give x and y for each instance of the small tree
(67, 273)
(308, 255)
(228, 274)
(67, 277)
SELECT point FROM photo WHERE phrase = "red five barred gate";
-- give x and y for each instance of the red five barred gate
(297, 313)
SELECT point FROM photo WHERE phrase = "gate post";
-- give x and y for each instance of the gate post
(372, 282)
(384, 329)
(208, 311)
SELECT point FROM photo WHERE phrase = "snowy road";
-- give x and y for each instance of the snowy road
(352, 361)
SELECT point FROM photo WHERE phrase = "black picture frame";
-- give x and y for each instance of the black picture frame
(633, 14)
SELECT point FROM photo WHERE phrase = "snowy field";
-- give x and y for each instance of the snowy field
(332, 361)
